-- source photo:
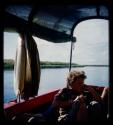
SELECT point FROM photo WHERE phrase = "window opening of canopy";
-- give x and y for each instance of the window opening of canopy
(92, 49)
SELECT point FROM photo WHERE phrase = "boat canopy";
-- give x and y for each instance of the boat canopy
(54, 23)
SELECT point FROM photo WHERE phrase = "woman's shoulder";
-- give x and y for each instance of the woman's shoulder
(63, 90)
(63, 94)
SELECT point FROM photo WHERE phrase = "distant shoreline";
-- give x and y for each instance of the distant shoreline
(9, 65)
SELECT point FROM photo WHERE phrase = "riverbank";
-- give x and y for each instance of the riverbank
(9, 64)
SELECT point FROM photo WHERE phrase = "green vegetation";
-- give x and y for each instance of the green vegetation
(9, 64)
(46, 64)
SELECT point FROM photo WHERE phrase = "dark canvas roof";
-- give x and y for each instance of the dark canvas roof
(51, 22)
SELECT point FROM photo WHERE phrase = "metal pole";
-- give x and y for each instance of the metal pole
(72, 41)
(70, 56)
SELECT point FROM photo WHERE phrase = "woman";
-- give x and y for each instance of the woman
(78, 101)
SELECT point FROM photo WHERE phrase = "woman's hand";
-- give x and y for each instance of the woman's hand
(81, 98)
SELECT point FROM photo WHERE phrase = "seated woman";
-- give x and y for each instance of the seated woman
(78, 101)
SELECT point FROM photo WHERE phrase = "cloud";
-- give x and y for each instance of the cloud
(10, 43)
(92, 42)
(53, 51)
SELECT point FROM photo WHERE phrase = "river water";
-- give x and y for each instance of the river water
(55, 78)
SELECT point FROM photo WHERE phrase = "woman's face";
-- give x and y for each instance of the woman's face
(78, 85)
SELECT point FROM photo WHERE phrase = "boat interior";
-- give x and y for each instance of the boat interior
(54, 23)
(34, 110)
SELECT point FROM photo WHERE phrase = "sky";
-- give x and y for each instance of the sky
(91, 47)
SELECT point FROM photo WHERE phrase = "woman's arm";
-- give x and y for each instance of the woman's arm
(105, 93)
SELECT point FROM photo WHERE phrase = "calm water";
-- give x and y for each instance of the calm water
(52, 79)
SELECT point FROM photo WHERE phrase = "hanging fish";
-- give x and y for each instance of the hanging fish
(32, 78)
(27, 67)
(19, 67)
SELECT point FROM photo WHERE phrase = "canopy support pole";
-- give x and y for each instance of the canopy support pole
(72, 41)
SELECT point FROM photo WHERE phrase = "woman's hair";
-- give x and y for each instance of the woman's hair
(75, 75)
